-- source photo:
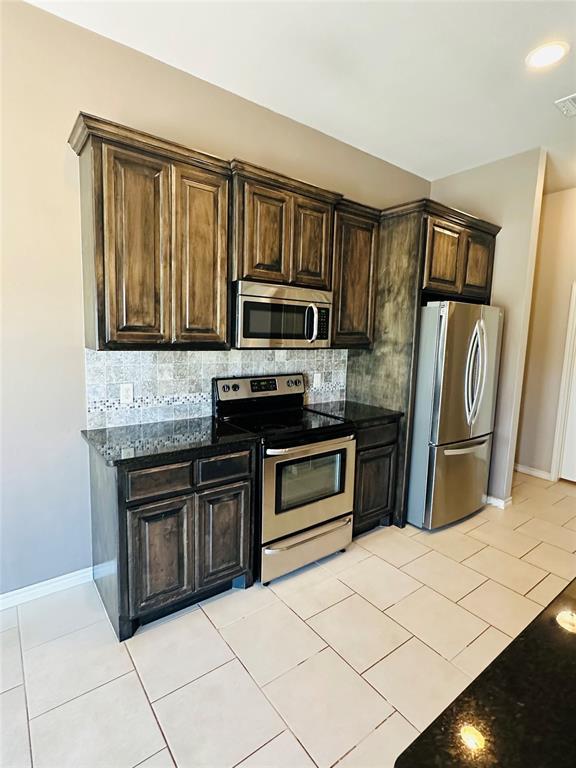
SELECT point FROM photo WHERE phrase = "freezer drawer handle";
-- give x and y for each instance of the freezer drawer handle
(276, 550)
(321, 445)
(462, 451)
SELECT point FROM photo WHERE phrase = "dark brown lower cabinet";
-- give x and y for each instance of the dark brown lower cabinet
(160, 553)
(375, 492)
(223, 543)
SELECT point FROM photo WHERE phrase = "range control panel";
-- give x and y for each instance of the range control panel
(259, 386)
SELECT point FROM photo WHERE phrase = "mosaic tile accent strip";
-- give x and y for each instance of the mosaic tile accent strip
(177, 385)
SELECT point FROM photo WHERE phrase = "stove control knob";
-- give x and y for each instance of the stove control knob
(290, 383)
(235, 387)
(225, 387)
(298, 382)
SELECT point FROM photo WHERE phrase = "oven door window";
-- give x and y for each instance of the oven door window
(263, 320)
(305, 481)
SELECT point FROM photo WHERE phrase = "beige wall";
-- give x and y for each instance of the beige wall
(51, 70)
(507, 192)
(555, 274)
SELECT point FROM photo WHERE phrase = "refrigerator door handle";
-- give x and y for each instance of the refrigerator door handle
(483, 364)
(469, 375)
(469, 449)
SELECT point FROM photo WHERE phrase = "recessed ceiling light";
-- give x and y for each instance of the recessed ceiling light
(547, 54)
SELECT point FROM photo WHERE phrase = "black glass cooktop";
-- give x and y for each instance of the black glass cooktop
(285, 422)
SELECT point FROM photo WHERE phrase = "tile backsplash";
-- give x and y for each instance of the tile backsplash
(177, 385)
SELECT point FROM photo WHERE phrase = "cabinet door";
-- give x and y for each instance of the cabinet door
(223, 538)
(478, 260)
(136, 247)
(375, 486)
(200, 256)
(444, 266)
(160, 547)
(267, 233)
(355, 244)
(312, 259)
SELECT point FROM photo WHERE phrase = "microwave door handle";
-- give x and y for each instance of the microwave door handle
(309, 339)
(315, 327)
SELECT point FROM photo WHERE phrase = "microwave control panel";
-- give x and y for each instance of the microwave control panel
(323, 323)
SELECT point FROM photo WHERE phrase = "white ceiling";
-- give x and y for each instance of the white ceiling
(432, 87)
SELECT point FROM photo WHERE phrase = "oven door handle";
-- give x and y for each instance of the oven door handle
(321, 445)
(325, 532)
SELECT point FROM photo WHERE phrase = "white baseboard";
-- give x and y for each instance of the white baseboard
(534, 472)
(43, 588)
(500, 503)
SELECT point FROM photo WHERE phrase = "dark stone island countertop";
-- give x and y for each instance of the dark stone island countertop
(359, 414)
(523, 705)
(122, 444)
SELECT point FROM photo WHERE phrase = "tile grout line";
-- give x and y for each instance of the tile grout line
(24, 689)
(149, 757)
(151, 709)
(394, 711)
(239, 763)
(66, 634)
(188, 682)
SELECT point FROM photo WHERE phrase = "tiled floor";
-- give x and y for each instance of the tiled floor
(343, 662)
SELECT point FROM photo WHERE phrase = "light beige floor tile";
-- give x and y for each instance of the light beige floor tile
(14, 743)
(110, 726)
(271, 641)
(161, 759)
(542, 530)
(9, 617)
(393, 547)
(475, 520)
(505, 539)
(565, 486)
(552, 559)
(568, 503)
(547, 590)
(449, 542)
(505, 569)
(417, 682)
(307, 602)
(71, 665)
(359, 632)
(380, 583)
(571, 524)
(301, 579)
(177, 652)
(341, 560)
(536, 482)
(237, 603)
(437, 621)
(558, 513)
(55, 615)
(520, 493)
(501, 607)
(217, 720)
(544, 496)
(517, 478)
(381, 748)
(445, 575)
(409, 530)
(10, 660)
(476, 657)
(510, 517)
(327, 705)
(282, 752)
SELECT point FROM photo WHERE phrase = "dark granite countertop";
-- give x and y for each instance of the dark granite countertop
(359, 414)
(122, 444)
(523, 705)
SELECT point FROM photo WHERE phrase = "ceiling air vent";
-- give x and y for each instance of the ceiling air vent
(567, 105)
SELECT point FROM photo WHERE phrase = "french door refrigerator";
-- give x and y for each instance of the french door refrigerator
(456, 385)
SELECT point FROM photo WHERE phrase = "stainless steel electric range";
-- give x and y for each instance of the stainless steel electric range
(307, 469)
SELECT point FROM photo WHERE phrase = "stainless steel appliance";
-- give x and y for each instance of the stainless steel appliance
(276, 316)
(457, 379)
(307, 469)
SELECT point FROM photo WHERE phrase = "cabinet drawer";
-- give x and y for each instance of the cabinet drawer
(222, 468)
(155, 481)
(378, 435)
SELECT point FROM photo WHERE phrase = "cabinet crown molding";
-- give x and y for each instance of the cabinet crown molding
(428, 206)
(87, 126)
(278, 180)
(358, 209)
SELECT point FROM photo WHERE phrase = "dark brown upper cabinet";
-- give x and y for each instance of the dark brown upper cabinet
(155, 240)
(355, 254)
(282, 228)
(458, 254)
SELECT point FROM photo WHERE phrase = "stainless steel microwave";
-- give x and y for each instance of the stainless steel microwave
(281, 316)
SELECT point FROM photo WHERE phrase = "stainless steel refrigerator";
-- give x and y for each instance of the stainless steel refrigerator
(456, 386)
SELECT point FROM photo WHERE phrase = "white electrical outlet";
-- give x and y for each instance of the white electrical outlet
(126, 394)
(317, 380)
